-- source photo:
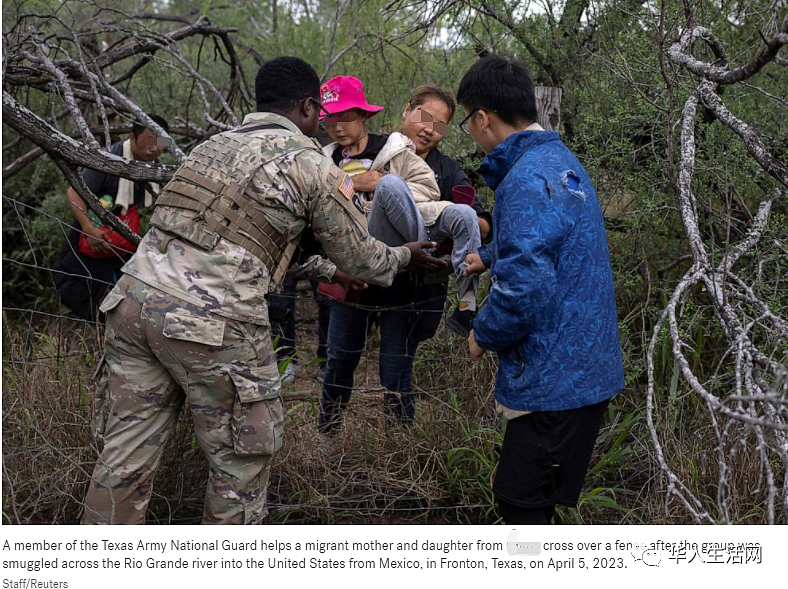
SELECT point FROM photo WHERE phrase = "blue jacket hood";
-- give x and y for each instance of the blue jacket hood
(504, 155)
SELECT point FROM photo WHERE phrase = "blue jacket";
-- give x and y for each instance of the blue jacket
(551, 313)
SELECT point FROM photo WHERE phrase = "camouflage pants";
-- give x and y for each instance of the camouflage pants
(161, 352)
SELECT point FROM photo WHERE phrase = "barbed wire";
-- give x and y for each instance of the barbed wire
(78, 349)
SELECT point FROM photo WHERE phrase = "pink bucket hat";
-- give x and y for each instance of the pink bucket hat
(342, 93)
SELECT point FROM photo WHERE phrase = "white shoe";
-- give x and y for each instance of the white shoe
(288, 376)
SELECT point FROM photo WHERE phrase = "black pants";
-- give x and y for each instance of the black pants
(538, 516)
(82, 282)
(544, 461)
(282, 313)
(82, 297)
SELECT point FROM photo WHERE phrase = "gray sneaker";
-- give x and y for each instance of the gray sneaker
(288, 376)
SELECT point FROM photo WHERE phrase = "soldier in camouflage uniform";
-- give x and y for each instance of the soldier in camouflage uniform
(188, 321)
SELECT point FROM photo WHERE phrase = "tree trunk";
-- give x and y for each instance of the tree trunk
(548, 107)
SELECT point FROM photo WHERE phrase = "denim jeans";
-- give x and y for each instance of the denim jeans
(395, 219)
(347, 335)
(461, 224)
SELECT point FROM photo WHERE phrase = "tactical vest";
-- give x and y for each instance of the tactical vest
(211, 185)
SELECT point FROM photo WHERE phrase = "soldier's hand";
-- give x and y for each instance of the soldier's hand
(347, 281)
(420, 260)
(368, 181)
(98, 241)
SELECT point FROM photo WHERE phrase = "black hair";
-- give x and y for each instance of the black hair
(497, 84)
(282, 82)
(137, 128)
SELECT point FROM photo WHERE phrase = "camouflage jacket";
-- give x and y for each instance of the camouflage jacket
(230, 281)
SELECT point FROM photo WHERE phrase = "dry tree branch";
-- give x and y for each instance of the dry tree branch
(67, 93)
(678, 53)
(752, 141)
(543, 60)
(201, 83)
(756, 405)
(339, 55)
(78, 184)
(44, 52)
(22, 162)
(88, 79)
(27, 123)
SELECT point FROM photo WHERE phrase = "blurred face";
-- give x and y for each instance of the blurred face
(346, 127)
(146, 146)
(426, 124)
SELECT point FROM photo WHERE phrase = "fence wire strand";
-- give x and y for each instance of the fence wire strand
(45, 345)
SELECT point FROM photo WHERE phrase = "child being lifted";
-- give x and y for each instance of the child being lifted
(397, 189)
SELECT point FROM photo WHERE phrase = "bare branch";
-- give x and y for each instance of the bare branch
(68, 95)
(754, 144)
(680, 53)
(543, 60)
(755, 408)
(90, 199)
(58, 144)
(22, 162)
(340, 54)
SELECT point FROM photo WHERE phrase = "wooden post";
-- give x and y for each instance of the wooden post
(548, 107)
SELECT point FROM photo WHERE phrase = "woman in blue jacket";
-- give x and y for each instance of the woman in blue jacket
(551, 313)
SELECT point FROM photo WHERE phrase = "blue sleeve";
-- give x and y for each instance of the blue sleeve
(522, 296)
(485, 253)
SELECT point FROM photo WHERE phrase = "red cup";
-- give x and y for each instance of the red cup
(464, 195)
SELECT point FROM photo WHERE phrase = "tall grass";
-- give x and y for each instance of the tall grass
(440, 469)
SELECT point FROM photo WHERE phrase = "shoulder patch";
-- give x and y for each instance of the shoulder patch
(345, 186)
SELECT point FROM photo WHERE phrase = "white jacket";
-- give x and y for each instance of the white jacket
(399, 157)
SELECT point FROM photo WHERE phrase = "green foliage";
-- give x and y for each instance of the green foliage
(33, 238)
(471, 463)
(621, 104)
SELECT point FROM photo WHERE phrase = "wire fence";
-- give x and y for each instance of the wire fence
(437, 469)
